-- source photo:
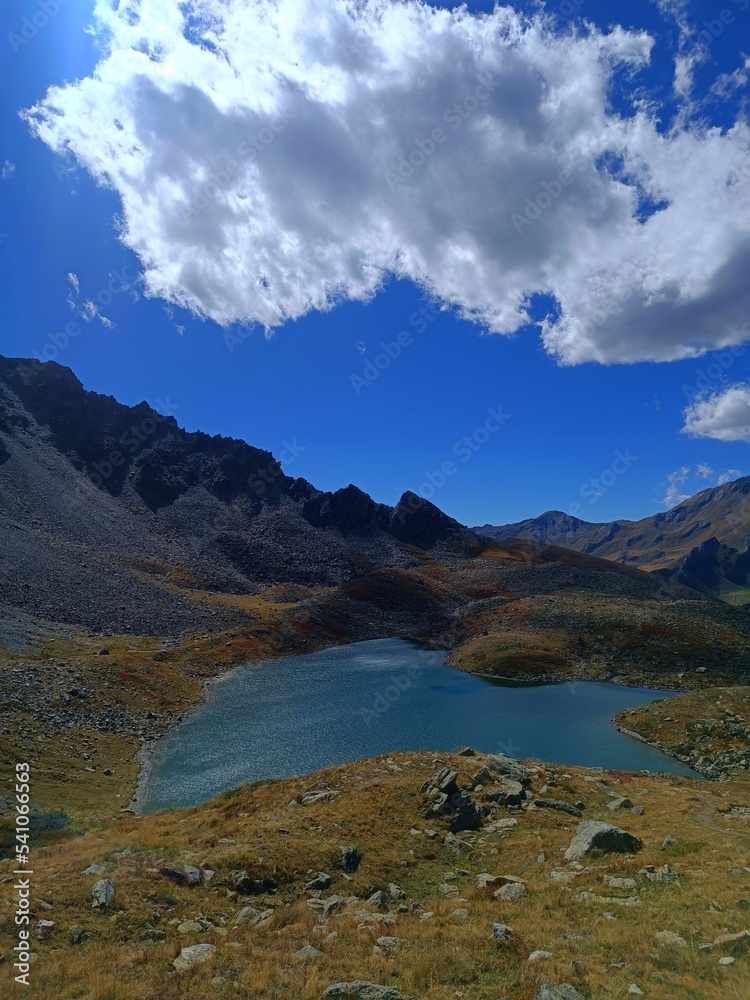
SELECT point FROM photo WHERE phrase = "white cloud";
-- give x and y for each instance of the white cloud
(674, 492)
(723, 416)
(256, 145)
(74, 282)
(704, 471)
(728, 476)
(7, 170)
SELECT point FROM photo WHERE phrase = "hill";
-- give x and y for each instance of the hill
(703, 542)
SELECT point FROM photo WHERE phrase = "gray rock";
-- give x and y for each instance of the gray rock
(637, 810)
(93, 870)
(560, 991)
(668, 939)
(593, 835)
(332, 905)
(308, 952)
(620, 883)
(189, 927)
(460, 912)
(634, 990)
(506, 792)
(669, 841)
(501, 932)
(361, 990)
(102, 893)
(467, 752)
(310, 798)
(501, 764)
(389, 943)
(558, 804)
(193, 955)
(321, 881)
(620, 803)
(186, 875)
(539, 956)
(663, 875)
(44, 928)
(248, 915)
(395, 891)
(510, 892)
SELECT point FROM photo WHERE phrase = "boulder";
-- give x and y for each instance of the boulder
(668, 939)
(102, 893)
(193, 955)
(506, 792)
(248, 915)
(593, 835)
(559, 991)
(186, 875)
(559, 805)
(321, 881)
(501, 932)
(500, 764)
(307, 952)
(361, 990)
(511, 892)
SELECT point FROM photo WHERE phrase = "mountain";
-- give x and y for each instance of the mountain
(95, 495)
(703, 542)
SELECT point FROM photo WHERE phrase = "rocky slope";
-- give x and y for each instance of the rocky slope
(703, 542)
(98, 498)
(400, 878)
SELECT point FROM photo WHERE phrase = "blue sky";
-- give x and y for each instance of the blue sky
(598, 435)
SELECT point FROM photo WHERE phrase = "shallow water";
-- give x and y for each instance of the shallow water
(285, 717)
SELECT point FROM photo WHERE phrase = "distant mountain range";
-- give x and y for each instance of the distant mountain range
(703, 542)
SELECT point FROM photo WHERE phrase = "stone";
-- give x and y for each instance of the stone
(389, 943)
(669, 841)
(668, 939)
(308, 952)
(620, 803)
(559, 805)
(248, 915)
(501, 932)
(467, 752)
(506, 792)
(395, 891)
(93, 870)
(350, 859)
(637, 810)
(558, 991)
(512, 891)
(361, 990)
(332, 905)
(460, 912)
(189, 927)
(620, 883)
(377, 899)
(311, 797)
(634, 990)
(193, 955)
(726, 960)
(321, 881)
(735, 940)
(447, 891)
(44, 928)
(663, 875)
(501, 764)
(539, 956)
(593, 835)
(102, 893)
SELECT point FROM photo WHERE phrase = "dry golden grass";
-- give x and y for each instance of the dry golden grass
(445, 957)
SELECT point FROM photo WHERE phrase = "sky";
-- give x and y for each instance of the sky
(496, 256)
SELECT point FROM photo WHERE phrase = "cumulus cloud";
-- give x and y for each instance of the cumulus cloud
(728, 476)
(274, 157)
(674, 487)
(723, 416)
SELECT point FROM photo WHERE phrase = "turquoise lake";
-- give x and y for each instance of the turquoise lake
(291, 716)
